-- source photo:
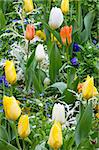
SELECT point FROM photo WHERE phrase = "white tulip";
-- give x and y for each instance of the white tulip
(58, 113)
(40, 53)
(46, 81)
(56, 18)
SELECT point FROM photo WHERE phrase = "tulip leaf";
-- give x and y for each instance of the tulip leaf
(61, 86)
(3, 133)
(84, 125)
(88, 21)
(6, 146)
(2, 20)
(55, 62)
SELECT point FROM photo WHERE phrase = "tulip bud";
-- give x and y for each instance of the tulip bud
(23, 126)
(88, 89)
(40, 53)
(10, 72)
(58, 113)
(55, 137)
(79, 87)
(56, 18)
(11, 108)
(66, 34)
(30, 32)
(28, 5)
(41, 35)
(65, 6)
(46, 81)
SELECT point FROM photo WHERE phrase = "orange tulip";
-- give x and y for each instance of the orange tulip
(30, 32)
(79, 87)
(65, 34)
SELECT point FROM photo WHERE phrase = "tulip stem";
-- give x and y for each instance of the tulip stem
(17, 139)
(11, 91)
(23, 145)
(67, 55)
(28, 49)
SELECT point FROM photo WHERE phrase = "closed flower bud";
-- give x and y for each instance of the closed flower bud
(30, 32)
(40, 53)
(23, 126)
(58, 113)
(46, 81)
(10, 72)
(88, 89)
(55, 137)
(41, 35)
(65, 6)
(11, 108)
(28, 5)
(66, 34)
(56, 18)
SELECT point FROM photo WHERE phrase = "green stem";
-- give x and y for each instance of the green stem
(28, 50)
(79, 13)
(9, 133)
(17, 139)
(24, 145)
(67, 54)
(11, 90)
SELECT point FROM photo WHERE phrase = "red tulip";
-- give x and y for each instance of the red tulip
(30, 32)
(66, 34)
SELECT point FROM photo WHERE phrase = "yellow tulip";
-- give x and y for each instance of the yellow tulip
(28, 5)
(10, 72)
(88, 89)
(23, 126)
(11, 108)
(55, 137)
(97, 115)
(41, 35)
(65, 6)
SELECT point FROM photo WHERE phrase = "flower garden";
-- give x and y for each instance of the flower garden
(49, 75)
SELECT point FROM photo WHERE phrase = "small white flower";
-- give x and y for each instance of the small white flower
(46, 81)
(58, 113)
(56, 18)
(40, 53)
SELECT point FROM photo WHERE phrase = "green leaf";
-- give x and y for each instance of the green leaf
(6, 146)
(84, 125)
(41, 146)
(61, 86)
(88, 22)
(3, 133)
(55, 63)
(2, 20)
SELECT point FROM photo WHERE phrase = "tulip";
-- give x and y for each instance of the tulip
(66, 34)
(56, 18)
(23, 126)
(58, 113)
(40, 53)
(10, 72)
(30, 32)
(46, 81)
(28, 5)
(97, 115)
(41, 35)
(79, 87)
(88, 89)
(11, 108)
(65, 6)
(55, 137)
